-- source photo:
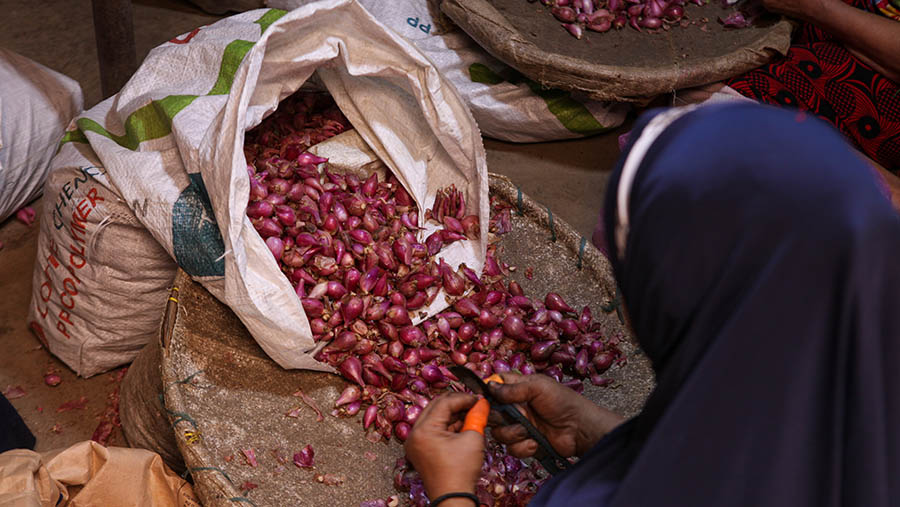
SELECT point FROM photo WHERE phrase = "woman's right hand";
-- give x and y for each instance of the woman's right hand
(571, 422)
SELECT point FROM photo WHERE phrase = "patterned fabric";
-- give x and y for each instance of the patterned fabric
(821, 76)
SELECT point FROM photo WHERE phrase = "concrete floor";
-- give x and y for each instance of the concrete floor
(567, 176)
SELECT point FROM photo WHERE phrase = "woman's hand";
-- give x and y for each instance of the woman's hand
(571, 422)
(447, 461)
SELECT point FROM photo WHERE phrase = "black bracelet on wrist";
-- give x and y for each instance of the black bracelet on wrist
(458, 494)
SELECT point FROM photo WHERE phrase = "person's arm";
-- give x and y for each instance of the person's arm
(872, 38)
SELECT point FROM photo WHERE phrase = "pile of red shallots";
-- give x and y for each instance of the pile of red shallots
(651, 15)
(505, 481)
(351, 248)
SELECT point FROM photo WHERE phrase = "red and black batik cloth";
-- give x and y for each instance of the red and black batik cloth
(819, 75)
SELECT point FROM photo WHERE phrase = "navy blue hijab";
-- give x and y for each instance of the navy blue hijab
(762, 276)
(14, 434)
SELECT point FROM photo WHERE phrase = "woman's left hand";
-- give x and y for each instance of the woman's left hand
(447, 461)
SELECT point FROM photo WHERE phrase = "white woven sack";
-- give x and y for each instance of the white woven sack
(36, 104)
(505, 104)
(100, 279)
(171, 142)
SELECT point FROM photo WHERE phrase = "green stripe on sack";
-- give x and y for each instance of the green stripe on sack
(271, 16)
(73, 136)
(149, 122)
(231, 60)
(573, 115)
(481, 73)
(169, 106)
(143, 124)
(89, 125)
(154, 120)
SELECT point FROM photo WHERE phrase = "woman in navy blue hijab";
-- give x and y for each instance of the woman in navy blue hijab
(757, 256)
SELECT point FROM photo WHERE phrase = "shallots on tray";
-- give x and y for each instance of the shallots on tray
(653, 15)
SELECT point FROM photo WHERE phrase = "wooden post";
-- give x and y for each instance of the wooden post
(114, 32)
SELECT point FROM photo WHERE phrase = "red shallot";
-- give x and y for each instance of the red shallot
(304, 458)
